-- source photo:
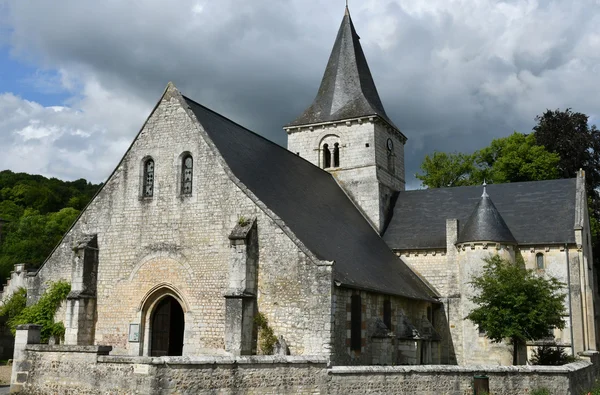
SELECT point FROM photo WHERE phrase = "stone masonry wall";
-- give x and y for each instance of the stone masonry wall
(180, 244)
(364, 170)
(372, 312)
(56, 369)
(432, 265)
(555, 265)
(437, 267)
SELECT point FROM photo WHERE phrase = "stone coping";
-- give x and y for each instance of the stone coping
(215, 360)
(100, 350)
(474, 369)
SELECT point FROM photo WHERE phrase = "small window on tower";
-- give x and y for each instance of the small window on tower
(336, 155)
(391, 156)
(326, 156)
(187, 172)
(330, 151)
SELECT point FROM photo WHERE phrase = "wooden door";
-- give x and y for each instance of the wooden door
(160, 328)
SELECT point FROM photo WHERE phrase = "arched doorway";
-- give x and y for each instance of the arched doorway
(167, 324)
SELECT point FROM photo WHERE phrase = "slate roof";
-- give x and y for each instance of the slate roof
(314, 207)
(486, 224)
(347, 89)
(540, 212)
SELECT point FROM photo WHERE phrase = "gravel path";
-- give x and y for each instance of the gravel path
(5, 372)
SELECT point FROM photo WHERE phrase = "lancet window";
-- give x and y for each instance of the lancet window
(356, 323)
(148, 189)
(187, 172)
(387, 313)
(539, 260)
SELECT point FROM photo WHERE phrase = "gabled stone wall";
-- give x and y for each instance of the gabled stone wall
(180, 245)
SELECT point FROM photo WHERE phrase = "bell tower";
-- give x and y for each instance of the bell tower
(347, 132)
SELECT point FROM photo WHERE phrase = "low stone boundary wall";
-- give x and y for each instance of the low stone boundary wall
(576, 379)
(56, 371)
(59, 369)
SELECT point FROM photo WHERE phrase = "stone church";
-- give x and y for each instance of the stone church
(204, 226)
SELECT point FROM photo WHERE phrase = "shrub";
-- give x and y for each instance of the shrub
(267, 338)
(14, 305)
(551, 355)
(42, 313)
(540, 391)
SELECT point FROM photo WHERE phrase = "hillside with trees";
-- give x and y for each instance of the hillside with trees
(36, 212)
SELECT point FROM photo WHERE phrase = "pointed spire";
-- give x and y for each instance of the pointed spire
(347, 89)
(486, 223)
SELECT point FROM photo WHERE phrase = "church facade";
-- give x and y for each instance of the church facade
(206, 232)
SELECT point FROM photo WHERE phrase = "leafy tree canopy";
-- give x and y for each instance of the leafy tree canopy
(446, 170)
(515, 303)
(577, 143)
(39, 211)
(509, 159)
(513, 159)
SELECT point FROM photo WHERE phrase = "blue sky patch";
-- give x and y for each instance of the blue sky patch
(29, 82)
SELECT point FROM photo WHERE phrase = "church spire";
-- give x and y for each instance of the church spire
(347, 89)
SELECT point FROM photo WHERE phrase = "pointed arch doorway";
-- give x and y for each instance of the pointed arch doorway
(167, 324)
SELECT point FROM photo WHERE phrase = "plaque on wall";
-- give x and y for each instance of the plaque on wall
(134, 332)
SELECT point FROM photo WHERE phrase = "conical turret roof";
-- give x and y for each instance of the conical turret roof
(486, 224)
(347, 89)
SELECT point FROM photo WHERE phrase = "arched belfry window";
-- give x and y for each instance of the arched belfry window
(187, 172)
(539, 260)
(336, 155)
(326, 156)
(331, 151)
(148, 189)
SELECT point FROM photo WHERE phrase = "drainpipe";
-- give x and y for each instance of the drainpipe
(449, 331)
(584, 313)
(569, 294)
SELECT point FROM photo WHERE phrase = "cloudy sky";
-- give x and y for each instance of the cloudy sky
(78, 78)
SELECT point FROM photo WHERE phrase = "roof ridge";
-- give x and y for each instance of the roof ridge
(488, 185)
(255, 134)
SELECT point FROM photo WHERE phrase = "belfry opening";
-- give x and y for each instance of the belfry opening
(167, 325)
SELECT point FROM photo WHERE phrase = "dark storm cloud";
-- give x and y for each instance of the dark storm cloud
(452, 76)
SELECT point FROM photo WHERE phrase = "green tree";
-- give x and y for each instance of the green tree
(570, 135)
(513, 159)
(514, 303)
(446, 170)
(509, 159)
(32, 237)
(39, 211)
